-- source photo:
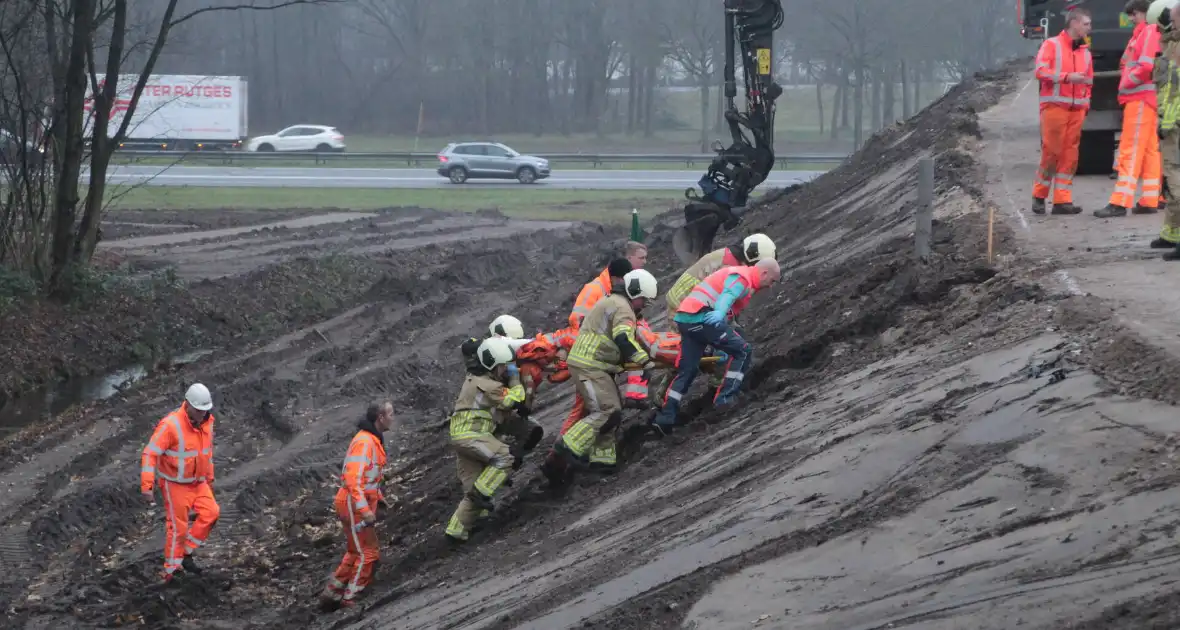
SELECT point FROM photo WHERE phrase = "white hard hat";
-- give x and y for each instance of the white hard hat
(1158, 8)
(768, 270)
(494, 351)
(755, 247)
(639, 283)
(506, 326)
(198, 397)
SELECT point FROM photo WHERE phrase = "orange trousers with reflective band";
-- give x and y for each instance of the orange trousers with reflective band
(360, 559)
(1139, 157)
(1061, 133)
(179, 538)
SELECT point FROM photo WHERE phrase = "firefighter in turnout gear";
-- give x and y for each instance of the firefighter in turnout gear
(606, 341)
(356, 506)
(593, 292)
(1166, 76)
(1065, 69)
(180, 456)
(526, 432)
(702, 320)
(483, 461)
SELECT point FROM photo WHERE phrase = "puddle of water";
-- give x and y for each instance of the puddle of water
(18, 413)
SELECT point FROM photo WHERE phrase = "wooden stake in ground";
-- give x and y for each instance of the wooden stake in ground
(991, 225)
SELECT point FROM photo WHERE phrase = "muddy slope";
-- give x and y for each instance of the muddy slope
(922, 445)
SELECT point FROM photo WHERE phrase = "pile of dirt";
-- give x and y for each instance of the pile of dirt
(888, 395)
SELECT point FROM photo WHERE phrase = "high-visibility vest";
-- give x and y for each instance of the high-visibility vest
(360, 476)
(692, 276)
(178, 452)
(590, 294)
(706, 293)
(1138, 61)
(1056, 59)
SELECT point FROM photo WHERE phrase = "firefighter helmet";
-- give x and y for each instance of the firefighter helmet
(506, 326)
(494, 351)
(639, 283)
(1157, 11)
(755, 247)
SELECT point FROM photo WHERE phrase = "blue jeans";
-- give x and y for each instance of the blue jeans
(694, 339)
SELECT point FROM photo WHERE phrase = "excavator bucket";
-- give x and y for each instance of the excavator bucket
(695, 239)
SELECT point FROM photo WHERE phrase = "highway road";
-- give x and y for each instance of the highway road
(268, 177)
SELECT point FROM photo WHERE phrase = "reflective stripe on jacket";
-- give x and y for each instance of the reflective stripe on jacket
(1138, 61)
(590, 294)
(699, 270)
(1166, 76)
(361, 473)
(706, 293)
(178, 452)
(1056, 59)
(478, 399)
(595, 348)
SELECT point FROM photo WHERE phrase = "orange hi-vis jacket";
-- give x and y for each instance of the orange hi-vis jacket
(1137, 63)
(706, 294)
(1056, 59)
(178, 452)
(662, 347)
(590, 294)
(360, 477)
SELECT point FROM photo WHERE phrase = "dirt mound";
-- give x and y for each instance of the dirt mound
(917, 442)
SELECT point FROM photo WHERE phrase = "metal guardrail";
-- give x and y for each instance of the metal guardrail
(422, 159)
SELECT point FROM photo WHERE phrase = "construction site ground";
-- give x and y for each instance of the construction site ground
(948, 443)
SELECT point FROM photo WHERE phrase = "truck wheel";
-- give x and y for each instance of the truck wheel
(1096, 153)
(458, 174)
(526, 175)
(262, 148)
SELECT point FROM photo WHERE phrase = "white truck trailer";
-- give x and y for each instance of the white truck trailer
(184, 112)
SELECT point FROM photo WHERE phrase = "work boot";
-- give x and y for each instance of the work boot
(1172, 255)
(330, 599)
(1065, 208)
(1038, 206)
(554, 467)
(1160, 243)
(190, 566)
(1142, 209)
(1111, 211)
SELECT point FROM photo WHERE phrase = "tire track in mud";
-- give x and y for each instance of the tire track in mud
(427, 298)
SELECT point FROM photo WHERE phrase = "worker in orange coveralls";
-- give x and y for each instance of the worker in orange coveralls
(356, 507)
(1139, 150)
(1065, 69)
(180, 454)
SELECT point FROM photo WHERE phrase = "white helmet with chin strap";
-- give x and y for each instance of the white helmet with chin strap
(755, 247)
(494, 351)
(639, 283)
(198, 397)
(506, 326)
(1159, 12)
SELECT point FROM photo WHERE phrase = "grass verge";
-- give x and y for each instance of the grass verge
(601, 206)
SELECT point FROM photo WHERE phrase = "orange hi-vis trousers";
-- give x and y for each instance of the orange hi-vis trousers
(1061, 133)
(1139, 157)
(179, 538)
(355, 570)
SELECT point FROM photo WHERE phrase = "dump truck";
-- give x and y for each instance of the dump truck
(1111, 31)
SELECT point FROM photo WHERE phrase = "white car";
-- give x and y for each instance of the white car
(318, 138)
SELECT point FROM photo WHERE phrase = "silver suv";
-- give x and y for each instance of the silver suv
(460, 161)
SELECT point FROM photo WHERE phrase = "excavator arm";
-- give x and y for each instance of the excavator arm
(745, 163)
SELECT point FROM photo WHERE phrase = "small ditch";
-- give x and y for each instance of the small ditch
(19, 412)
